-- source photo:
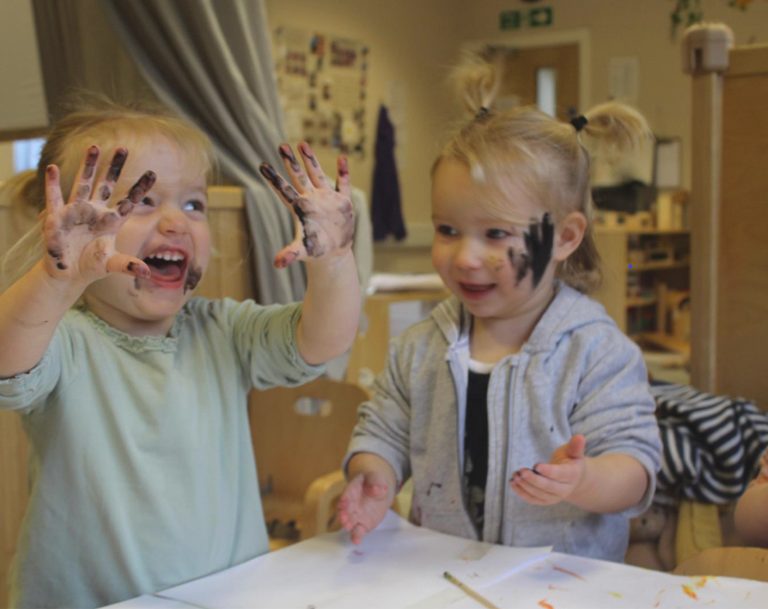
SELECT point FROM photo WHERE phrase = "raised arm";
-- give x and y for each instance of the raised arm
(79, 240)
(325, 222)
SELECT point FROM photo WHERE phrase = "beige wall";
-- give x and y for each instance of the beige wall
(411, 44)
(414, 42)
(6, 160)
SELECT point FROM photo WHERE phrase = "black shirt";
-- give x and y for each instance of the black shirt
(476, 447)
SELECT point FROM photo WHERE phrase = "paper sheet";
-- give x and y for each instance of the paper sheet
(561, 581)
(397, 565)
(400, 566)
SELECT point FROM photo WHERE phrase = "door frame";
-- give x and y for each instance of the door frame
(578, 36)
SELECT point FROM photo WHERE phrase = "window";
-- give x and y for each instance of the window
(546, 90)
(26, 154)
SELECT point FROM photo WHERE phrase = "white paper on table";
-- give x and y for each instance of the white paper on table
(397, 565)
(561, 581)
(149, 601)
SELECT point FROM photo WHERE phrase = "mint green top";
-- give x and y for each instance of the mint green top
(142, 470)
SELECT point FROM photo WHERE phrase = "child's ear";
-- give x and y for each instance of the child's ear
(570, 232)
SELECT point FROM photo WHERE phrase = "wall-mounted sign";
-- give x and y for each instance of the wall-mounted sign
(541, 16)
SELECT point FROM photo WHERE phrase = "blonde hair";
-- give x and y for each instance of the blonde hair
(545, 157)
(92, 118)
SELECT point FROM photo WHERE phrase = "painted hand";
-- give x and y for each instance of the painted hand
(363, 505)
(553, 482)
(324, 215)
(79, 235)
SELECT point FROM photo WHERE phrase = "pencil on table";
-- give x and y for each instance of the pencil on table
(469, 591)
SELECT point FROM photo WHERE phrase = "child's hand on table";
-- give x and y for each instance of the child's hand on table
(363, 504)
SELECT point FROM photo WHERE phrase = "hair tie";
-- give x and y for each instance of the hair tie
(482, 113)
(579, 122)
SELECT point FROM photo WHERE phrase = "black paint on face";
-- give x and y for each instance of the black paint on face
(194, 275)
(539, 241)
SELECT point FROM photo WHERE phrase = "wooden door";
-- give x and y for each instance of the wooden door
(522, 66)
(742, 278)
(729, 213)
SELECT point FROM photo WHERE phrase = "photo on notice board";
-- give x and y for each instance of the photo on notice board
(322, 82)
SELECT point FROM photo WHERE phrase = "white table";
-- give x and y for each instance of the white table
(401, 566)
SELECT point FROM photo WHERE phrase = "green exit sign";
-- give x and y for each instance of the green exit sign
(540, 16)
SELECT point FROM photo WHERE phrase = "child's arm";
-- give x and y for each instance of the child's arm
(79, 243)
(610, 482)
(367, 496)
(326, 226)
(751, 515)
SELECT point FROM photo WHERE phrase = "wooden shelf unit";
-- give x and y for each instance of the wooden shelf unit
(645, 276)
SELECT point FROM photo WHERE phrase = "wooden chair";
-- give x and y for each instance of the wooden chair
(748, 563)
(300, 436)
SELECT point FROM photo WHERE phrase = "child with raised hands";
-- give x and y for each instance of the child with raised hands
(518, 408)
(132, 391)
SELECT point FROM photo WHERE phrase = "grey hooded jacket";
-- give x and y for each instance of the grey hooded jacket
(577, 374)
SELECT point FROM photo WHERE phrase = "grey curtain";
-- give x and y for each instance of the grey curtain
(211, 60)
(78, 51)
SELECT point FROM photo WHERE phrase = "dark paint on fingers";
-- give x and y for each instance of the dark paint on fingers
(125, 207)
(142, 186)
(286, 190)
(116, 166)
(287, 154)
(91, 159)
(307, 154)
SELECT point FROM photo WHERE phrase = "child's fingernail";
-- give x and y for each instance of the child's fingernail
(535, 471)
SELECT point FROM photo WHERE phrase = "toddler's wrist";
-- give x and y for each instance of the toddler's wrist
(67, 288)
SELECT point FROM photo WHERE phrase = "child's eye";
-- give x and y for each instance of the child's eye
(194, 205)
(148, 201)
(445, 230)
(497, 233)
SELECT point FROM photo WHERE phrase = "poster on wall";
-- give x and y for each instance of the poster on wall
(322, 82)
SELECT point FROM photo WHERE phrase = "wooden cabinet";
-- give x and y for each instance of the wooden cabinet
(646, 285)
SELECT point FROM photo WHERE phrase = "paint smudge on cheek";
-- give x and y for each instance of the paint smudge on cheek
(495, 263)
(520, 262)
(194, 275)
(539, 241)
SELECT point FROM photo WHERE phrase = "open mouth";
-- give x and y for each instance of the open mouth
(476, 290)
(167, 266)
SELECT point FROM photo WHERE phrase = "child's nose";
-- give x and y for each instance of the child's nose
(172, 220)
(468, 254)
